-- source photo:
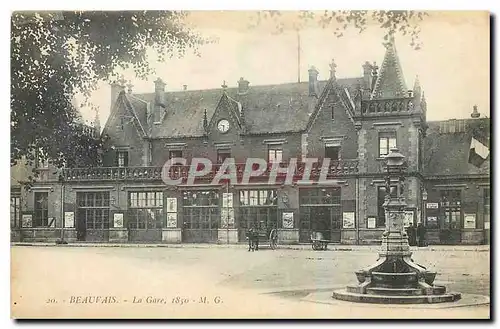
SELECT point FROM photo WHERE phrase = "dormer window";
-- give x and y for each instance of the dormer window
(222, 155)
(175, 154)
(275, 154)
(122, 158)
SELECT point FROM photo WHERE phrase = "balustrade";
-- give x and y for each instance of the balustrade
(335, 168)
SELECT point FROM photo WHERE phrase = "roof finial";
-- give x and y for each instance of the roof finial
(224, 86)
(374, 69)
(417, 83)
(205, 121)
(97, 121)
(242, 118)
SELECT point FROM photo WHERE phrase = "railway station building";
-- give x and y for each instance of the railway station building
(353, 122)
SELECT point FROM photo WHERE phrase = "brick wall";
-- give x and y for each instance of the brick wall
(340, 126)
(126, 136)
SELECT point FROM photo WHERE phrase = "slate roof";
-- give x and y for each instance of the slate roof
(267, 108)
(390, 82)
(448, 153)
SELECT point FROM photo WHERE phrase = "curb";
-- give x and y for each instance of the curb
(481, 248)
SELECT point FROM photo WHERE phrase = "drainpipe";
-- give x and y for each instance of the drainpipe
(227, 206)
(62, 210)
(357, 223)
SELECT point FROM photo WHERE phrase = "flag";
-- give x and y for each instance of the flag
(478, 152)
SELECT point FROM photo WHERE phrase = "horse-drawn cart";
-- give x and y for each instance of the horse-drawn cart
(255, 237)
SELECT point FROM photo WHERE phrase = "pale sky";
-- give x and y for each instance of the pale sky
(453, 64)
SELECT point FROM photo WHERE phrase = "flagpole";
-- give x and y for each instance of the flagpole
(298, 55)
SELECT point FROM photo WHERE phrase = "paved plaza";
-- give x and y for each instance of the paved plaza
(221, 281)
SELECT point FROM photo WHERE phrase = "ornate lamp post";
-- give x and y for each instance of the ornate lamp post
(394, 278)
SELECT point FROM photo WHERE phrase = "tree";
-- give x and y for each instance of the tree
(55, 55)
(391, 21)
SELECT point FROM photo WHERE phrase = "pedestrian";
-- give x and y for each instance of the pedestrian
(256, 239)
(250, 236)
(421, 235)
(413, 235)
(409, 233)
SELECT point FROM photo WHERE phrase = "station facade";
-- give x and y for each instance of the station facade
(353, 122)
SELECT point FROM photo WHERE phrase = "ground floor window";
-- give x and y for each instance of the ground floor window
(41, 209)
(321, 218)
(262, 218)
(201, 209)
(15, 209)
(201, 218)
(320, 211)
(451, 203)
(486, 202)
(145, 210)
(93, 209)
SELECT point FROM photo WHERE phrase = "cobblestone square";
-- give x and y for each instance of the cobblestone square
(219, 281)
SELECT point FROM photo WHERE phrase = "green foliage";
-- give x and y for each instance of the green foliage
(391, 21)
(55, 55)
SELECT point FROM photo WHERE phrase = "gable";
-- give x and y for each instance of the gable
(334, 98)
(123, 122)
(226, 109)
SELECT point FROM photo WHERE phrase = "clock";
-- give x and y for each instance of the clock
(223, 126)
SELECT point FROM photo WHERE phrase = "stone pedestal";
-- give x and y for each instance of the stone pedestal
(288, 236)
(227, 236)
(118, 235)
(171, 235)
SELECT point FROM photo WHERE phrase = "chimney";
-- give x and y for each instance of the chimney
(159, 106)
(374, 75)
(475, 114)
(333, 69)
(410, 93)
(313, 81)
(242, 86)
(367, 75)
(184, 87)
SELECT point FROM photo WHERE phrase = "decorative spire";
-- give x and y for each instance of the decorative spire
(423, 103)
(205, 121)
(224, 86)
(390, 82)
(416, 86)
(417, 90)
(242, 117)
(333, 70)
(374, 76)
(97, 122)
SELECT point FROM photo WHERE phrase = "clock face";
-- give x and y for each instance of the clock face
(223, 126)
